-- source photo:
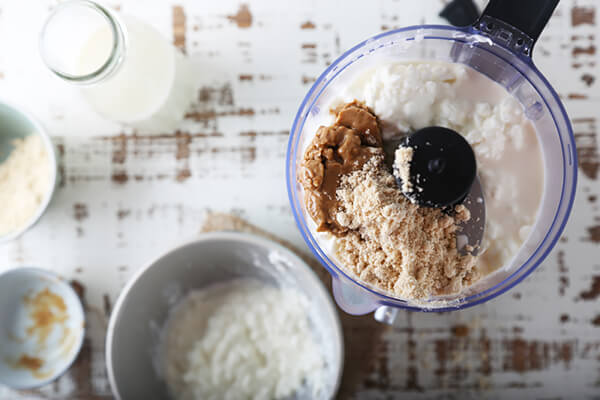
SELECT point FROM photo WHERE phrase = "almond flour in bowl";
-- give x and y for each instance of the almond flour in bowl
(28, 171)
(25, 179)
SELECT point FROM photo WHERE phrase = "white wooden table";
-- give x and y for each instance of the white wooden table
(126, 197)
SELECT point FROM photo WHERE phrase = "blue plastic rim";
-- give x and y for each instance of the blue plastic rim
(522, 66)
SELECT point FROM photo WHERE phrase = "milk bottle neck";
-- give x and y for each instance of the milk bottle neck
(68, 46)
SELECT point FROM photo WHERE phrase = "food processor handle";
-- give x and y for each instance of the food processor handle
(516, 24)
(351, 298)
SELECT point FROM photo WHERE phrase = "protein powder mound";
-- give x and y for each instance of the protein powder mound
(396, 245)
(380, 236)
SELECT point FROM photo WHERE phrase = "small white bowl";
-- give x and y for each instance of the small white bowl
(42, 326)
(16, 124)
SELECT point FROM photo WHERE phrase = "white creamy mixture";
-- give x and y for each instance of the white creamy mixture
(411, 96)
(242, 340)
(24, 183)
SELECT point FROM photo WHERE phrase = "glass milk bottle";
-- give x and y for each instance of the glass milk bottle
(127, 71)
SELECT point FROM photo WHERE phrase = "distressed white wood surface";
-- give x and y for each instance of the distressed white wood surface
(126, 197)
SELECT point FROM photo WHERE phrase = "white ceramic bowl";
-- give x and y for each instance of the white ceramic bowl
(142, 308)
(16, 124)
(42, 325)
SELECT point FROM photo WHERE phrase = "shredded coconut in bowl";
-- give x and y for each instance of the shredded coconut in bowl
(25, 180)
(243, 340)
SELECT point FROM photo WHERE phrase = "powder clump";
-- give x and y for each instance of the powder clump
(402, 159)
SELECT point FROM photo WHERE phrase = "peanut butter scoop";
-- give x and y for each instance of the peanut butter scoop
(335, 151)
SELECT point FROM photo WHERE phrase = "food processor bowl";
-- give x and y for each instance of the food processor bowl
(500, 52)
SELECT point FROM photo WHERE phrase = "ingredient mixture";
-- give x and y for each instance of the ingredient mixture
(242, 340)
(382, 237)
(335, 151)
(24, 183)
(373, 230)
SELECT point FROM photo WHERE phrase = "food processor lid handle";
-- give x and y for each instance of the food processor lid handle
(516, 24)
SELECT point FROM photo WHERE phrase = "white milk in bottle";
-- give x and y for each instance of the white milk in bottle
(128, 71)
